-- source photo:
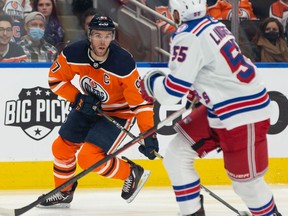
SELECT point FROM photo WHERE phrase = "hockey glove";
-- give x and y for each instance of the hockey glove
(87, 104)
(146, 84)
(192, 101)
(151, 145)
(190, 98)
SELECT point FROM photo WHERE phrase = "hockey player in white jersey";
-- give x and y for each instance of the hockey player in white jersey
(234, 116)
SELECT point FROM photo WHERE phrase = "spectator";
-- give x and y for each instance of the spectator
(222, 10)
(17, 10)
(86, 18)
(110, 7)
(273, 47)
(2, 3)
(261, 8)
(248, 37)
(161, 7)
(34, 45)
(54, 32)
(165, 27)
(279, 10)
(9, 51)
(80, 6)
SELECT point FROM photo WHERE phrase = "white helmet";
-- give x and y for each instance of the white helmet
(188, 9)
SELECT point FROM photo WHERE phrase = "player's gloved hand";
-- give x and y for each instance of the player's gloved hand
(147, 83)
(192, 100)
(87, 104)
(150, 146)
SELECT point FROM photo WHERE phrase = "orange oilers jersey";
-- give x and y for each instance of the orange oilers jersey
(279, 10)
(222, 10)
(163, 25)
(115, 81)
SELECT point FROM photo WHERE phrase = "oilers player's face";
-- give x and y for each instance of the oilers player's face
(100, 41)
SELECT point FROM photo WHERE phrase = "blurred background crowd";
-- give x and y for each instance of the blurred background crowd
(37, 30)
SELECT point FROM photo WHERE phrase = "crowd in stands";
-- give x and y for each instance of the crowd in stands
(36, 30)
(263, 32)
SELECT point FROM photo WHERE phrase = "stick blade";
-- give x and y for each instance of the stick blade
(7, 212)
(143, 180)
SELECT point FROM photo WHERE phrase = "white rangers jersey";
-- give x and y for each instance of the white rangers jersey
(206, 58)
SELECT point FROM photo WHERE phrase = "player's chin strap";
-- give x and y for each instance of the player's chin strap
(20, 211)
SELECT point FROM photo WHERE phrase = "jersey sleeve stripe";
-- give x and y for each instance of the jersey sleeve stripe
(176, 87)
(58, 86)
(241, 105)
(247, 103)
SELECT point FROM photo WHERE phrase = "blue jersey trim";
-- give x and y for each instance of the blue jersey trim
(181, 187)
(139, 64)
(247, 109)
(240, 99)
(25, 65)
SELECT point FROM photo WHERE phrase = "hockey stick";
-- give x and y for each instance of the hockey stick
(109, 118)
(240, 213)
(20, 211)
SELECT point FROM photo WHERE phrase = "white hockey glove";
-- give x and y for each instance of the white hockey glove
(147, 84)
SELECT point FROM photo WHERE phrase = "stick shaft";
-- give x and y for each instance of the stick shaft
(119, 126)
(137, 139)
(221, 200)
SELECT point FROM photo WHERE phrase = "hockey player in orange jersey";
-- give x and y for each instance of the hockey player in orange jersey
(109, 81)
(222, 10)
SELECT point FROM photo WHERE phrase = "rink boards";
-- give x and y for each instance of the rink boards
(31, 117)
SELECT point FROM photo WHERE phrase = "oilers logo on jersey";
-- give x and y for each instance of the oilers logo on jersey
(90, 86)
(14, 9)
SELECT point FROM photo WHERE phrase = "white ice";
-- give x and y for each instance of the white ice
(149, 202)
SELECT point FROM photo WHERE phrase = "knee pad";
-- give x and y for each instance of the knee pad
(254, 193)
(178, 161)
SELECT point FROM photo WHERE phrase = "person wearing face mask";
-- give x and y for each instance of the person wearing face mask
(271, 43)
(33, 43)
